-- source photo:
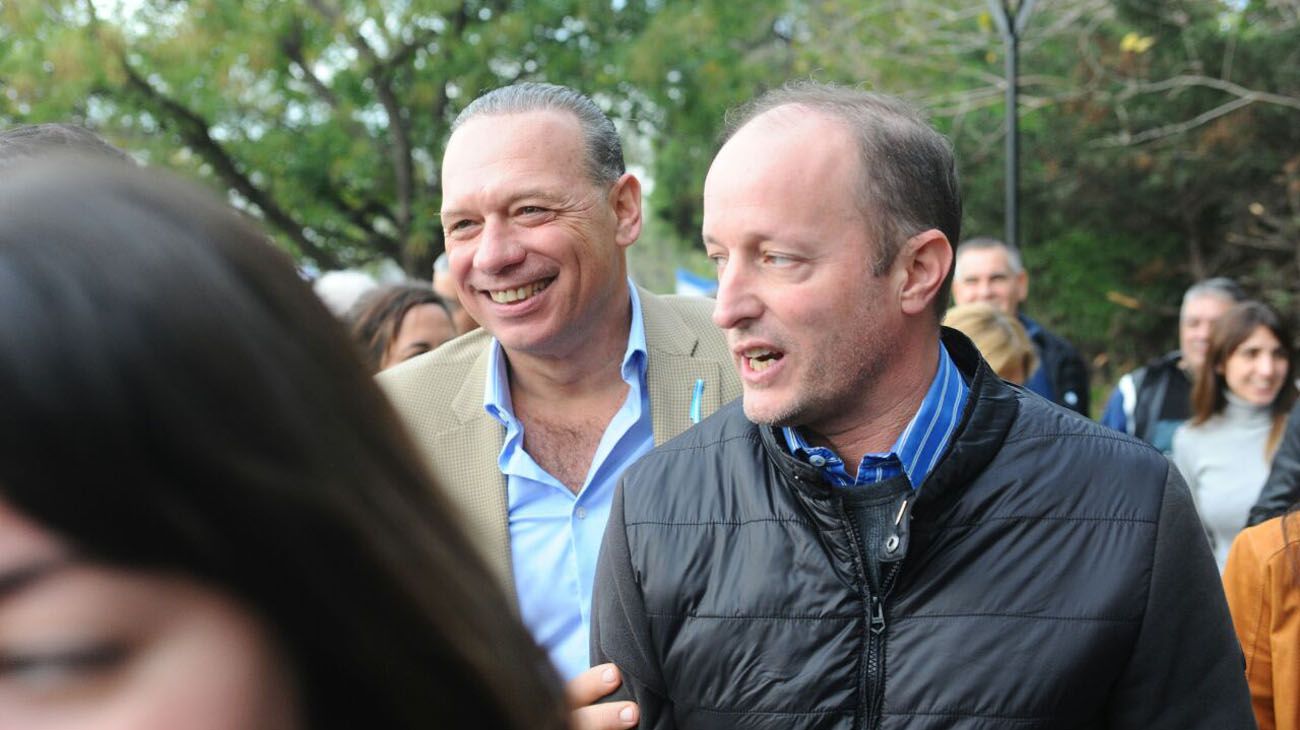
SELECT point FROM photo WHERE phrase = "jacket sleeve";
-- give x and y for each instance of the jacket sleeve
(1185, 672)
(620, 628)
(1282, 488)
(1248, 588)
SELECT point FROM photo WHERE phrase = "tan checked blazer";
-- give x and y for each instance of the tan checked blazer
(440, 398)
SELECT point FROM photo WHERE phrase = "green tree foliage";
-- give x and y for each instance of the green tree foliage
(324, 118)
(1160, 141)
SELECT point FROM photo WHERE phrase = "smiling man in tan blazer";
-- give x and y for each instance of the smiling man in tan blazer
(529, 422)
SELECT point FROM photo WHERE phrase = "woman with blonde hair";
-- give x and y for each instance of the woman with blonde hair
(1000, 338)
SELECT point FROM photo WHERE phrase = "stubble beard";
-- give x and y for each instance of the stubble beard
(834, 388)
(823, 393)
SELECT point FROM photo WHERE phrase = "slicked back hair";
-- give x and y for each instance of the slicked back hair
(30, 141)
(908, 178)
(604, 150)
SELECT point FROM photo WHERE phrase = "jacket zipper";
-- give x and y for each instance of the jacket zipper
(871, 683)
(877, 645)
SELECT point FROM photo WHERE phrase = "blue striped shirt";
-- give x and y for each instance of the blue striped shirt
(915, 452)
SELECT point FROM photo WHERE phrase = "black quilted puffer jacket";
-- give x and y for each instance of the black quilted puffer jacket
(1049, 573)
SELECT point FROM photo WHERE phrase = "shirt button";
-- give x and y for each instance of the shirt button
(581, 513)
(817, 460)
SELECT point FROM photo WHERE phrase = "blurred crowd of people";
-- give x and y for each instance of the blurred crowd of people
(530, 493)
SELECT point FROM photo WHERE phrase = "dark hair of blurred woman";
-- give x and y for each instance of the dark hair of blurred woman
(1211, 388)
(395, 323)
(175, 401)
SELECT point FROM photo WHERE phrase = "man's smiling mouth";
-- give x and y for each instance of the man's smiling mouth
(519, 294)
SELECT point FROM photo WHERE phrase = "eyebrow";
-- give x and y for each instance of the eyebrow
(549, 196)
(24, 576)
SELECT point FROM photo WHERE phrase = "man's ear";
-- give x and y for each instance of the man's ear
(1022, 287)
(924, 263)
(625, 201)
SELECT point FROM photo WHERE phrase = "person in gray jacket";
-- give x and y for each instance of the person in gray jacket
(882, 533)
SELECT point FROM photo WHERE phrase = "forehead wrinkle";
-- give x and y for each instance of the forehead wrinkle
(487, 195)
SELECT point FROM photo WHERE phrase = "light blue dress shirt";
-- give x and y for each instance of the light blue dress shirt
(554, 534)
(917, 449)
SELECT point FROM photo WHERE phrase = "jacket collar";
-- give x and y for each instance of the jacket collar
(990, 409)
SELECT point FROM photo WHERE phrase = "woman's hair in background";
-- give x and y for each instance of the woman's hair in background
(1209, 392)
(176, 399)
(999, 337)
(377, 317)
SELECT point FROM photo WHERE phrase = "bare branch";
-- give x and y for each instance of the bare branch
(1125, 139)
(1193, 80)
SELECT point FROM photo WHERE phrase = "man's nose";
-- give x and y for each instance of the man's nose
(497, 248)
(737, 303)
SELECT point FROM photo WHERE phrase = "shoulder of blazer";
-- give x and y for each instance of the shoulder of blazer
(443, 389)
(439, 396)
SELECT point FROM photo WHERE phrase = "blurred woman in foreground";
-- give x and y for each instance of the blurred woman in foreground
(1240, 401)
(209, 517)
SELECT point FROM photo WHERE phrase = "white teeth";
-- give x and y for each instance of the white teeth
(760, 359)
(506, 296)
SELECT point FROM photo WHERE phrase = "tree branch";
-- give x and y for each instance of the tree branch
(403, 164)
(1125, 139)
(291, 46)
(1192, 80)
(194, 130)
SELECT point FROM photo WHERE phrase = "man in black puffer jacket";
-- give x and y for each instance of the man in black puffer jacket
(991, 562)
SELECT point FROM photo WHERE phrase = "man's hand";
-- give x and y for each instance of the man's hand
(586, 688)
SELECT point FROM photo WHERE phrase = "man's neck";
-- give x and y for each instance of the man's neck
(566, 403)
(875, 422)
(590, 370)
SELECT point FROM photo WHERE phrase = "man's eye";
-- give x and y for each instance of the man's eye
(459, 225)
(44, 669)
(719, 261)
(776, 259)
(531, 210)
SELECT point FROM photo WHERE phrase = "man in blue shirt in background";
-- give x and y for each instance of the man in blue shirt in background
(988, 270)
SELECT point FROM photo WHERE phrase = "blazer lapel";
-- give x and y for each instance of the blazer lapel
(673, 371)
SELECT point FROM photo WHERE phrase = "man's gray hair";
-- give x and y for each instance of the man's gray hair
(30, 141)
(985, 243)
(604, 150)
(909, 174)
(1220, 286)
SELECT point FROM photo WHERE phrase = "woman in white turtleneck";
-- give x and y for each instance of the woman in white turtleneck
(1240, 401)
